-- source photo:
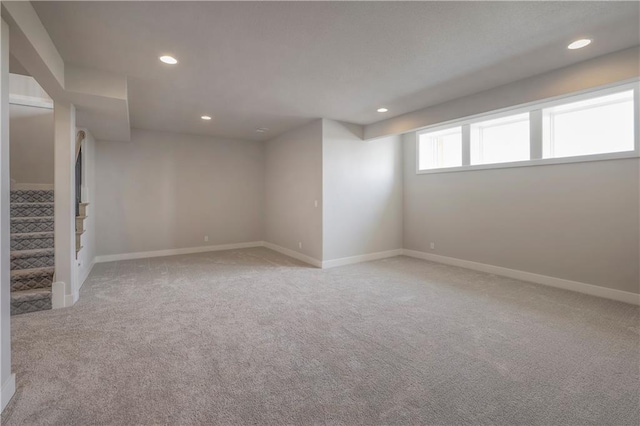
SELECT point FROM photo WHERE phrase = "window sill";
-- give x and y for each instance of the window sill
(539, 162)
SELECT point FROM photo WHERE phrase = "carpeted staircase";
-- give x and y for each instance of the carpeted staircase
(32, 252)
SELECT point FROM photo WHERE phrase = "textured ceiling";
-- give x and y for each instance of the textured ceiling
(280, 64)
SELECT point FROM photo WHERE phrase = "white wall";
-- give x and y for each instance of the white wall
(65, 290)
(574, 221)
(165, 191)
(7, 379)
(293, 185)
(32, 144)
(26, 88)
(362, 192)
(86, 256)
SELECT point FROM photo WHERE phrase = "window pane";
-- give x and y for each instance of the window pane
(595, 126)
(440, 149)
(500, 141)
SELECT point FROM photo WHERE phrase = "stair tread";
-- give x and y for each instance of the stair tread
(32, 219)
(31, 293)
(15, 254)
(26, 235)
(31, 210)
(39, 204)
(21, 273)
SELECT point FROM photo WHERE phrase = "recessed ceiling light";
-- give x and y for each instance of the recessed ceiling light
(206, 117)
(579, 44)
(169, 60)
(261, 130)
(382, 110)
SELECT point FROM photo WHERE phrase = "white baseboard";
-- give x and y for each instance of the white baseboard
(593, 290)
(84, 276)
(361, 258)
(7, 391)
(296, 255)
(32, 187)
(61, 296)
(58, 295)
(174, 252)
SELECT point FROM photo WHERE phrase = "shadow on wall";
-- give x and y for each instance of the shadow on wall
(32, 144)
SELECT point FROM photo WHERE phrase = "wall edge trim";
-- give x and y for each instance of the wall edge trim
(88, 272)
(292, 253)
(361, 258)
(576, 286)
(7, 391)
(174, 252)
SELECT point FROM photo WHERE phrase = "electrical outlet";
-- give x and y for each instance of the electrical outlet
(433, 246)
(206, 238)
(315, 203)
(300, 245)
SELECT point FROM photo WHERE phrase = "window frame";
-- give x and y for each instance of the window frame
(534, 109)
(462, 137)
(480, 135)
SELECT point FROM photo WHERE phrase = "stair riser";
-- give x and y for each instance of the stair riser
(23, 307)
(21, 211)
(26, 227)
(31, 244)
(32, 226)
(33, 262)
(32, 196)
(43, 281)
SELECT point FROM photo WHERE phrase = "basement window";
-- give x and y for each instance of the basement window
(595, 126)
(600, 124)
(500, 140)
(440, 149)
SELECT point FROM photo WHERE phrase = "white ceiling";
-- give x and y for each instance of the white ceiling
(280, 64)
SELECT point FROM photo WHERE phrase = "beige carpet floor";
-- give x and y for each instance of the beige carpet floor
(251, 337)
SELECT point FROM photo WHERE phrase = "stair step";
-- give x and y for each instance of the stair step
(32, 219)
(28, 279)
(32, 235)
(35, 204)
(20, 254)
(31, 240)
(32, 209)
(33, 300)
(32, 224)
(29, 259)
(29, 196)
